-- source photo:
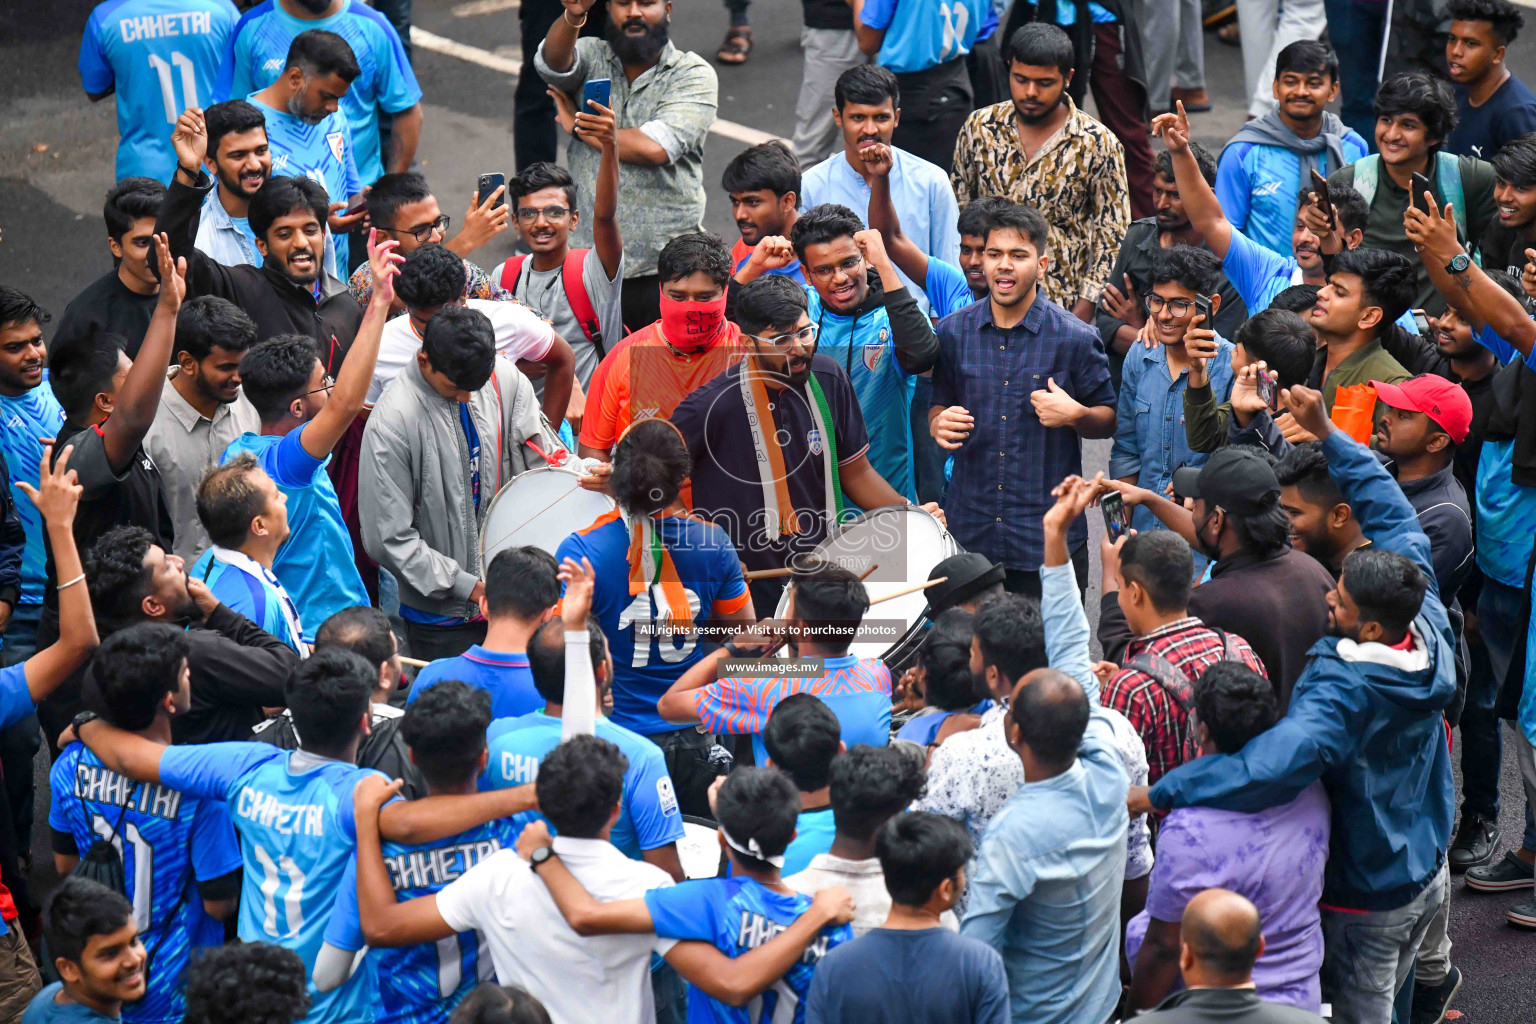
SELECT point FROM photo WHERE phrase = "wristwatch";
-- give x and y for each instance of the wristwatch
(81, 719)
(1459, 264)
(539, 856)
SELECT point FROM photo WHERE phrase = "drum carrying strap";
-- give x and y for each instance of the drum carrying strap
(650, 563)
(777, 503)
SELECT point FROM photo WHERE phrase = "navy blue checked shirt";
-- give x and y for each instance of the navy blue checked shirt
(1005, 470)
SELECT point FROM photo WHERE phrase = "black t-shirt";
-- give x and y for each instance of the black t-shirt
(135, 497)
(107, 304)
(726, 487)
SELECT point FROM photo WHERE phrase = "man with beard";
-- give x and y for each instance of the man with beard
(1273, 155)
(1018, 383)
(1492, 105)
(1122, 314)
(1260, 588)
(256, 56)
(1367, 718)
(309, 132)
(665, 101)
(201, 409)
(1039, 149)
(240, 159)
(763, 185)
(289, 293)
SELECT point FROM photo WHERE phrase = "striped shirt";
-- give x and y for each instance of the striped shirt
(858, 690)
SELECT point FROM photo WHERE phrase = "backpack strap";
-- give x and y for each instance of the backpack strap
(1367, 172)
(1168, 677)
(511, 270)
(581, 302)
(1448, 177)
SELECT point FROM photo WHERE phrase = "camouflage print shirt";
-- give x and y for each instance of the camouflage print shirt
(1076, 180)
(477, 286)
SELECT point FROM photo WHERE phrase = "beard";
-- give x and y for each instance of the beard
(1209, 548)
(979, 686)
(233, 186)
(1042, 116)
(634, 51)
(297, 109)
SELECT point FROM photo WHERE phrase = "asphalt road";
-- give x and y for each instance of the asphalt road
(56, 162)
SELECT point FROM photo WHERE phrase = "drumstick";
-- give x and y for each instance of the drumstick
(769, 574)
(414, 662)
(910, 590)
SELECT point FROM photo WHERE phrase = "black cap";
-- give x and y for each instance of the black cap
(968, 574)
(1237, 478)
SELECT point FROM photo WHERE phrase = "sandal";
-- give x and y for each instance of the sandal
(737, 44)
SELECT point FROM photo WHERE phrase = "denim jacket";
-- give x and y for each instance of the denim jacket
(1149, 439)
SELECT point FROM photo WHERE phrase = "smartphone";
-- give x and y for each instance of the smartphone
(1420, 185)
(359, 207)
(599, 90)
(1268, 389)
(1203, 308)
(490, 183)
(1117, 519)
(1320, 186)
(1421, 321)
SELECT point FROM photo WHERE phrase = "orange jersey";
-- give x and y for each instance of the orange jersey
(644, 377)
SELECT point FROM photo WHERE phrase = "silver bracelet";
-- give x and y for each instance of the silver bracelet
(71, 583)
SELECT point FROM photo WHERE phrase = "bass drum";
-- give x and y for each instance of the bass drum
(540, 508)
(903, 543)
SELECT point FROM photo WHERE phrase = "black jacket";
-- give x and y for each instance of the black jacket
(265, 293)
(13, 538)
(383, 749)
(1446, 519)
(1224, 1006)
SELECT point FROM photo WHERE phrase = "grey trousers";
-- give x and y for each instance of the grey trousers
(1172, 48)
(828, 53)
(1368, 957)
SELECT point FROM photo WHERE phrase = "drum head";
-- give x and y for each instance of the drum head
(904, 543)
(539, 508)
(699, 849)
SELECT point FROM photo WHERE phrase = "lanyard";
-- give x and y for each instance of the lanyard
(472, 439)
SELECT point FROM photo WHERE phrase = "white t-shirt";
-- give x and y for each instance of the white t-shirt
(544, 290)
(520, 334)
(603, 978)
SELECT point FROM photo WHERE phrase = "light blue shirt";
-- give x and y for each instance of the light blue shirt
(920, 191)
(1066, 14)
(230, 240)
(321, 152)
(161, 57)
(1258, 185)
(947, 289)
(927, 33)
(1150, 442)
(257, 51)
(27, 419)
(1259, 274)
(1046, 889)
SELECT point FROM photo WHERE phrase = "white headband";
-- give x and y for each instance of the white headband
(751, 849)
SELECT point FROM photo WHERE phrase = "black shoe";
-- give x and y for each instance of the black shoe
(1476, 842)
(1509, 872)
(1431, 1004)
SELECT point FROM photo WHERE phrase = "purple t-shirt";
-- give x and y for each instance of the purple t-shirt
(1275, 858)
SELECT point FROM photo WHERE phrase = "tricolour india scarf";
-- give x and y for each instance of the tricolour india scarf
(650, 564)
(780, 509)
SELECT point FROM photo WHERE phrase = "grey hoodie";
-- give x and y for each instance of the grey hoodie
(414, 483)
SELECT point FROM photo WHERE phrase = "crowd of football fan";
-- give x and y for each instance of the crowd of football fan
(274, 456)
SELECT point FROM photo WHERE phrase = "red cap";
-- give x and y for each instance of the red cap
(1434, 396)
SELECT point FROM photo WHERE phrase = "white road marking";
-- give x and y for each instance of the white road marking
(476, 7)
(507, 66)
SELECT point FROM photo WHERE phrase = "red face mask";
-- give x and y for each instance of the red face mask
(691, 326)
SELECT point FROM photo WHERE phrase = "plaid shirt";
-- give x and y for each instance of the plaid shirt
(1189, 646)
(1005, 470)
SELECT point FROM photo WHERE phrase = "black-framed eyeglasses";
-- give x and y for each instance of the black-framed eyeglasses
(849, 266)
(423, 233)
(1178, 307)
(551, 213)
(326, 383)
(806, 334)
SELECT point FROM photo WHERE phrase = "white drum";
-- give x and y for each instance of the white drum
(699, 849)
(539, 508)
(904, 543)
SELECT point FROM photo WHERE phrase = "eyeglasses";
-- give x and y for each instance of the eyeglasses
(423, 233)
(531, 213)
(1178, 307)
(849, 266)
(806, 334)
(326, 383)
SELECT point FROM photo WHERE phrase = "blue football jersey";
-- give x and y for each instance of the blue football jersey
(648, 813)
(645, 661)
(422, 984)
(161, 56)
(258, 49)
(297, 834)
(736, 915)
(252, 596)
(321, 152)
(28, 418)
(169, 842)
